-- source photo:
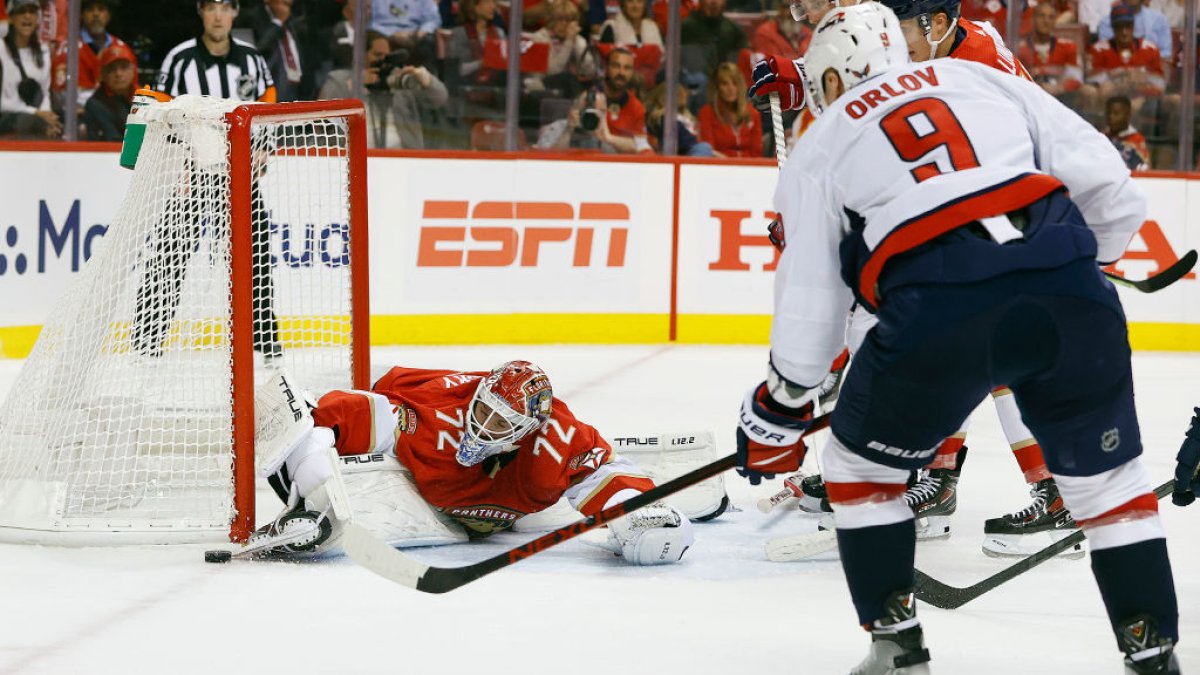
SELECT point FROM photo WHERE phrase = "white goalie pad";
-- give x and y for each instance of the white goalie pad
(386, 502)
(282, 420)
(671, 455)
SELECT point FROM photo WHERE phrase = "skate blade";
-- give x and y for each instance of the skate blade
(933, 528)
(812, 505)
(1024, 545)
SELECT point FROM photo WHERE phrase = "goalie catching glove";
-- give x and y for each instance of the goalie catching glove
(1187, 481)
(771, 427)
(656, 534)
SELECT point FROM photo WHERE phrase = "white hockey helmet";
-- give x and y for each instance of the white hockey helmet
(509, 403)
(857, 42)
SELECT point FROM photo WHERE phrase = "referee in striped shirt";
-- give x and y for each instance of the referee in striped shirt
(216, 65)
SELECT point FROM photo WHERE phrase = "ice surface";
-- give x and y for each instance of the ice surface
(575, 609)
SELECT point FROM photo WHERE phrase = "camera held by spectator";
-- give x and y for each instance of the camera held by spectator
(397, 70)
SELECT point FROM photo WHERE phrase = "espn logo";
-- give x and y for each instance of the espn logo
(478, 236)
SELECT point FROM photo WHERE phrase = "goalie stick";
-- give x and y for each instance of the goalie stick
(945, 596)
(1161, 280)
(376, 555)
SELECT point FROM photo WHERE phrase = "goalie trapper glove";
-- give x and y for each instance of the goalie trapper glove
(1187, 481)
(780, 76)
(770, 433)
(655, 534)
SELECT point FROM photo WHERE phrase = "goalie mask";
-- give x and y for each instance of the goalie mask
(510, 403)
(858, 43)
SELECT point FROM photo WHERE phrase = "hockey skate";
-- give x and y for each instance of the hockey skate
(897, 641)
(1146, 652)
(933, 499)
(1031, 529)
(815, 499)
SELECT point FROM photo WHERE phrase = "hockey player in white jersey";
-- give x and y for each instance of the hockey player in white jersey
(967, 209)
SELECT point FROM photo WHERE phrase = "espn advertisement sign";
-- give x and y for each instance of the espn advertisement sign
(488, 237)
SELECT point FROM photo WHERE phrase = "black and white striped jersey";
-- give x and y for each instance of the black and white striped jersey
(242, 74)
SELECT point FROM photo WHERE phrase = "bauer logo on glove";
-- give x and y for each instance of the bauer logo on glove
(770, 435)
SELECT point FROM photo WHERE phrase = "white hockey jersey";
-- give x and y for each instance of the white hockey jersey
(915, 152)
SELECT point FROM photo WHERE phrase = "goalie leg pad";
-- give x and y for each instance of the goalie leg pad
(671, 455)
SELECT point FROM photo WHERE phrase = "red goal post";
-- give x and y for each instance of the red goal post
(241, 123)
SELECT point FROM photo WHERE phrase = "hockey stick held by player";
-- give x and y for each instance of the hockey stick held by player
(485, 449)
(975, 245)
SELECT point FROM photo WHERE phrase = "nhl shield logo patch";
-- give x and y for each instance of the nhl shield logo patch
(1110, 440)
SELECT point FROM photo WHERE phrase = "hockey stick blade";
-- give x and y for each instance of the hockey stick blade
(1161, 280)
(801, 546)
(944, 596)
(367, 550)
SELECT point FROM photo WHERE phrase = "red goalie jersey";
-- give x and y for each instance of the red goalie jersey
(418, 415)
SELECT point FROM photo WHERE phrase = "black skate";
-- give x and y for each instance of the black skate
(1146, 652)
(897, 641)
(815, 499)
(933, 498)
(1033, 528)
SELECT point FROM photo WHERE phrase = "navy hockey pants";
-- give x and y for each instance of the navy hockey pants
(1056, 337)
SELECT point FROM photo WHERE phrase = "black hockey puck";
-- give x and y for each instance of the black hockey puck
(217, 556)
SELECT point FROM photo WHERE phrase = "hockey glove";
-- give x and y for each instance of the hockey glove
(656, 534)
(777, 76)
(1187, 481)
(769, 436)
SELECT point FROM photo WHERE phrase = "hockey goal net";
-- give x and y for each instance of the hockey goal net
(239, 251)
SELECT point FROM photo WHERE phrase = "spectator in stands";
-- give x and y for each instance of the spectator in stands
(342, 41)
(106, 110)
(659, 9)
(1148, 24)
(397, 95)
(276, 30)
(1052, 61)
(25, 71)
(728, 122)
(781, 36)
(572, 63)
(630, 26)
(687, 140)
(708, 27)
(468, 40)
(612, 119)
(409, 24)
(1118, 111)
(1172, 10)
(94, 38)
(1126, 65)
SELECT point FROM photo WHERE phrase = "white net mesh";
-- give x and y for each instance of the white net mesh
(121, 419)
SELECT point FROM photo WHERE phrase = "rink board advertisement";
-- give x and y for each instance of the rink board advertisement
(529, 250)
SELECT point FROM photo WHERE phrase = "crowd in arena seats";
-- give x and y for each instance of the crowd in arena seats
(592, 71)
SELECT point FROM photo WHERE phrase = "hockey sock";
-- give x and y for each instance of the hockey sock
(1029, 458)
(1136, 579)
(1019, 437)
(878, 562)
(947, 452)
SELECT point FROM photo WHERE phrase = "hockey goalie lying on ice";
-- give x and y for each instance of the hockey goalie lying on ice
(476, 453)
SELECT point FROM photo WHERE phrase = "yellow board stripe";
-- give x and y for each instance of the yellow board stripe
(464, 329)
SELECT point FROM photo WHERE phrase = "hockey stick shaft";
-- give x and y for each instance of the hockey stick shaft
(1175, 272)
(777, 130)
(945, 596)
(377, 556)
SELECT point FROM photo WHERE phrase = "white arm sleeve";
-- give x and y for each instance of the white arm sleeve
(1069, 149)
(811, 300)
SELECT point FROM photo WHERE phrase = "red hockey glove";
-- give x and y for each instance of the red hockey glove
(777, 76)
(769, 436)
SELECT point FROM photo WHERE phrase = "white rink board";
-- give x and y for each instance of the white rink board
(580, 238)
